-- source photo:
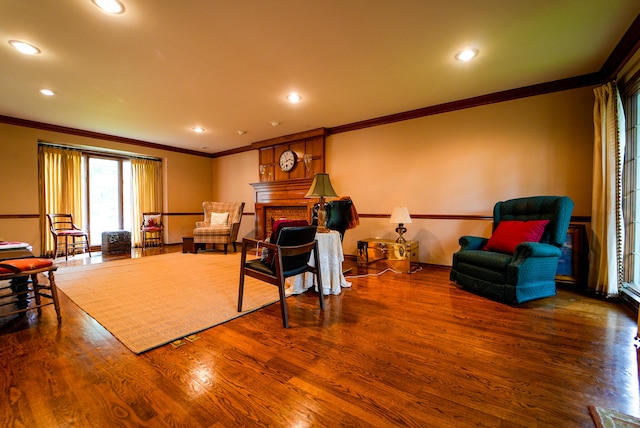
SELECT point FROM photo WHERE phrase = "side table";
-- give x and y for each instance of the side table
(387, 253)
(187, 245)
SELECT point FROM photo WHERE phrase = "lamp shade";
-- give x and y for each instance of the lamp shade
(321, 187)
(400, 215)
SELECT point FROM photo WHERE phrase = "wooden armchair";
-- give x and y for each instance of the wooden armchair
(62, 226)
(151, 229)
(289, 256)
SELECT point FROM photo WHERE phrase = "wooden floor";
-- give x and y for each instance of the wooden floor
(393, 350)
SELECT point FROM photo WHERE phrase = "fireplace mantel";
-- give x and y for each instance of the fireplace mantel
(275, 199)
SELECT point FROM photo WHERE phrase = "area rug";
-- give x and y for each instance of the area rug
(606, 418)
(150, 301)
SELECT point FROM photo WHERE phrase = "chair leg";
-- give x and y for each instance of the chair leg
(54, 294)
(283, 305)
(36, 292)
(240, 290)
(66, 248)
(234, 247)
(55, 247)
(225, 248)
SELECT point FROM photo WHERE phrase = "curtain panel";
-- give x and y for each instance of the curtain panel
(146, 182)
(607, 232)
(60, 183)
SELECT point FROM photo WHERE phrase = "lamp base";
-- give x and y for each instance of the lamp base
(322, 219)
(400, 230)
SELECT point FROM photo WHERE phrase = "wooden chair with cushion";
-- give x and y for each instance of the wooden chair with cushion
(152, 229)
(62, 226)
(290, 256)
(18, 271)
(220, 226)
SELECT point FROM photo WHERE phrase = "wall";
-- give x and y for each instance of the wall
(232, 176)
(188, 181)
(452, 164)
(457, 163)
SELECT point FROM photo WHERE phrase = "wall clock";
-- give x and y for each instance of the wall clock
(288, 160)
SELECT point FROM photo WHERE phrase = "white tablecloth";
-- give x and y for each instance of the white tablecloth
(331, 258)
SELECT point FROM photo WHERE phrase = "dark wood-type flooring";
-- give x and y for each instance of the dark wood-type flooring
(394, 350)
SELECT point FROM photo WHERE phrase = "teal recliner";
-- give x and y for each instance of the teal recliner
(529, 271)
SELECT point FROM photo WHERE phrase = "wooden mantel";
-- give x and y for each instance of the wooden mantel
(275, 199)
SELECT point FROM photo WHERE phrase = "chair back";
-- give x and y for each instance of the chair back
(234, 209)
(338, 214)
(293, 237)
(152, 219)
(61, 222)
(556, 209)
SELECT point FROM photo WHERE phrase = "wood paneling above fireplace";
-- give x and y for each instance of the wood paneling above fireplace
(281, 194)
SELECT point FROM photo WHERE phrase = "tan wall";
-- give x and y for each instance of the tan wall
(188, 181)
(232, 176)
(458, 163)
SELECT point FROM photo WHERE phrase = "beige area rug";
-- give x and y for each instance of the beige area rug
(606, 418)
(151, 301)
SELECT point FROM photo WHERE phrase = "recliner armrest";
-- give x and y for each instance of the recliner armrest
(535, 249)
(472, 243)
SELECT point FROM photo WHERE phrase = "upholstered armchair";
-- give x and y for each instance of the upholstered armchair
(220, 225)
(519, 262)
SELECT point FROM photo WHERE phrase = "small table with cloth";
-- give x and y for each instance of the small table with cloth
(331, 258)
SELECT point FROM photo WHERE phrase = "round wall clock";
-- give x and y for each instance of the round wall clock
(288, 160)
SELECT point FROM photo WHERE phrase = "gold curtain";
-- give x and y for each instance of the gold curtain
(146, 182)
(607, 232)
(60, 182)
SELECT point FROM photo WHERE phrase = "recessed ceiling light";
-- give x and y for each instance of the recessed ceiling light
(24, 47)
(110, 6)
(198, 129)
(240, 132)
(47, 92)
(294, 98)
(274, 123)
(466, 54)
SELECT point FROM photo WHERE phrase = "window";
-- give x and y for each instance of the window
(631, 189)
(107, 195)
(103, 191)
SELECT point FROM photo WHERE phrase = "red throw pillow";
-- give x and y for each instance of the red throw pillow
(509, 234)
(275, 234)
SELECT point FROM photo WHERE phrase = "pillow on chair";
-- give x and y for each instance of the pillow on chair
(152, 221)
(219, 219)
(509, 234)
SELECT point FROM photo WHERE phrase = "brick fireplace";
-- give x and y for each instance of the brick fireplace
(282, 199)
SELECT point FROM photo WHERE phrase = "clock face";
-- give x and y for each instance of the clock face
(287, 160)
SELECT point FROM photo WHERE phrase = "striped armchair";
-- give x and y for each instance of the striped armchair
(220, 226)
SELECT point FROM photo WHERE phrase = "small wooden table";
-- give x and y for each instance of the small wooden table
(331, 258)
(187, 245)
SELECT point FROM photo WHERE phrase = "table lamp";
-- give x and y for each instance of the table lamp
(321, 187)
(400, 215)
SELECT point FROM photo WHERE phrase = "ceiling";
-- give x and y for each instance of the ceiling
(165, 66)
